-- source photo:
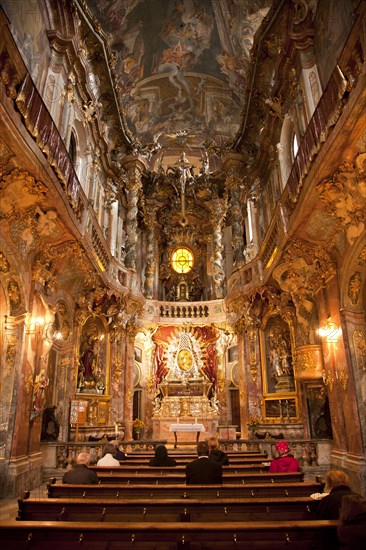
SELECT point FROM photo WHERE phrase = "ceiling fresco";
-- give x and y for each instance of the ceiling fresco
(181, 66)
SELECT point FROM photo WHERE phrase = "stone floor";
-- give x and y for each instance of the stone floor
(9, 507)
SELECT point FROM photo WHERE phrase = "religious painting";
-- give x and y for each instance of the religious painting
(277, 361)
(281, 409)
(92, 357)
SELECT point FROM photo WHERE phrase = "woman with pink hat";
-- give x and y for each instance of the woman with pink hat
(285, 461)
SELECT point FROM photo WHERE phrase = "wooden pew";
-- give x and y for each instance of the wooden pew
(158, 476)
(263, 535)
(179, 491)
(181, 460)
(129, 469)
(254, 509)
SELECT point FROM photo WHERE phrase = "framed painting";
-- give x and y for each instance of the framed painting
(277, 357)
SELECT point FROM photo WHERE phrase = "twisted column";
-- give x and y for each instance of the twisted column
(218, 207)
(150, 267)
(134, 167)
(234, 186)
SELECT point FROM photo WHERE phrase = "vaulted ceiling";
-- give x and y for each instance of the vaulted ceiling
(181, 68)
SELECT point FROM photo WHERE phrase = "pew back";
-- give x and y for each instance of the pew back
(254, 509)
(264, 535)
(177, 491)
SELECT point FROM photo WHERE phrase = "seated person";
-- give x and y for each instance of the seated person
(337, 485)
(202, 470)
(352, 523)
(161, 457)
(120, 454)
(215, 453)
(285, 461)
(108, 459)
(81, 474)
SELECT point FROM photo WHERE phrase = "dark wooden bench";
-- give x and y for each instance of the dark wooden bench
(158, 476)
(178, 491)
(254, 509)
(136, 469)
(182, 462)
(263, 535)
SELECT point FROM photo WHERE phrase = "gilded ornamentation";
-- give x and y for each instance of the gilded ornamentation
(14, 294)
(345, 197)
(328, 379)
(18, 191)
(308, 362)
(360, 349)
(354, 288)
(303, 272)
(11, 351)
(4, 264)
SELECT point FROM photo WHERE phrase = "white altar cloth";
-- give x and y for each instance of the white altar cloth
(187, 428)
(197, 428)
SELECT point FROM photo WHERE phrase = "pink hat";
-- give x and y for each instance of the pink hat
(281, 447)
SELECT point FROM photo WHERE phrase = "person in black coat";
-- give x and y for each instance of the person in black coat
(202, 470)
(215, 453)
(81, 475)
(352, 523)
(337, 485)
(162, 458)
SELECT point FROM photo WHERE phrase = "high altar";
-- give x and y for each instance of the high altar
(184, 394)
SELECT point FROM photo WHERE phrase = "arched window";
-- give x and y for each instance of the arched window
(72, 148)
(182, 260)
(295, 145)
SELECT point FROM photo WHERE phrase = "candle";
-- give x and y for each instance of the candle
(116, 429)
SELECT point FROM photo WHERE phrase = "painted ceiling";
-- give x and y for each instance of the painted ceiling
(181, 67)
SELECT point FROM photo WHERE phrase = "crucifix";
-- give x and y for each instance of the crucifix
(184, 170)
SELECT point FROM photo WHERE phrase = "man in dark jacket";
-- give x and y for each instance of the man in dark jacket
(81, 475)
(202, 470)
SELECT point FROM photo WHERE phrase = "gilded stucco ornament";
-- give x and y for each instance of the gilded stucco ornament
(344, 194)
(303, 271)
(18, 191)
(359, 342)
(4, 264)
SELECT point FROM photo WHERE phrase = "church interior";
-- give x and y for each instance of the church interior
(182, 229)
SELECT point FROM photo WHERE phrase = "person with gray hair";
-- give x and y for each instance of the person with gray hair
(202, 470)
(81, 475)
(108, 459)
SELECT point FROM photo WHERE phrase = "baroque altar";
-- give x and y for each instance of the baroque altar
(184, 394)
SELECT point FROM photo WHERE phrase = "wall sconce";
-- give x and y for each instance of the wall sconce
(331, 332)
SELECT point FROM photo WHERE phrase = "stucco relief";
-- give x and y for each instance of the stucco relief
(303, 272)
(344, 193)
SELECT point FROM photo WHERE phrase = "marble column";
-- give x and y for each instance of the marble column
(130, 333)
(243, 389)
(134, 167)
